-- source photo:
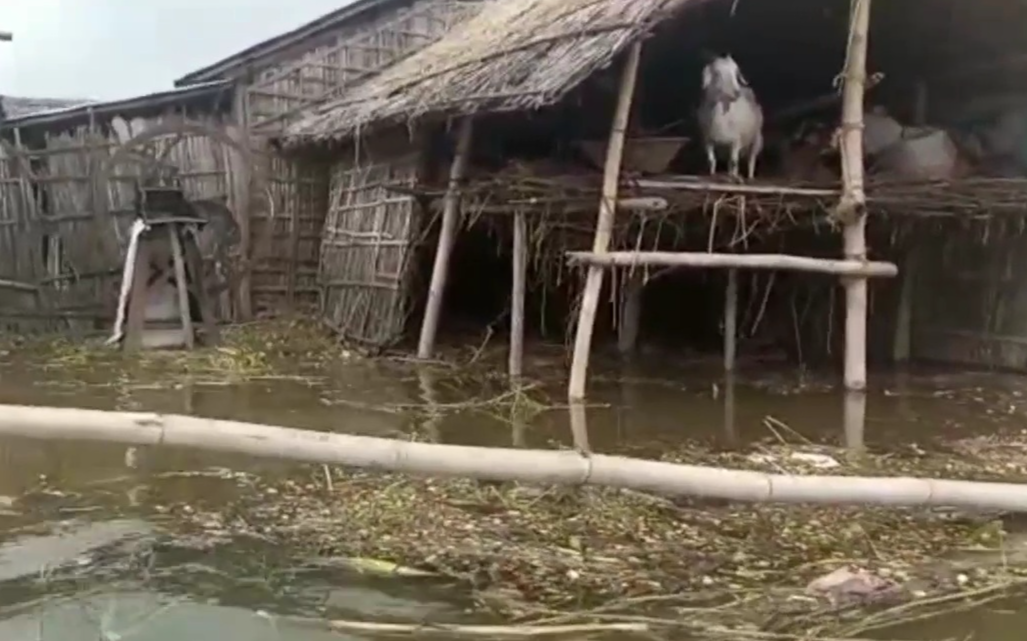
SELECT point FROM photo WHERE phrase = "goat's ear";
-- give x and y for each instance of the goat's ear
(741, 77)
(707, 77)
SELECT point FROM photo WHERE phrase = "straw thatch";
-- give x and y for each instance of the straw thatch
(514, 55)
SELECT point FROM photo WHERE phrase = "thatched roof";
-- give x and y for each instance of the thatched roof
(14, 107)
(514, 55)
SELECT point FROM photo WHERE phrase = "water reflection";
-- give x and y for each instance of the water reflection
(579, 426)
(854, 420)
(427, 381)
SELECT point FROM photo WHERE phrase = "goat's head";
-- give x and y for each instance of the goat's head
(723, 79)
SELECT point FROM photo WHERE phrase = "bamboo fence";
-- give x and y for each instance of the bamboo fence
(569, 467)
(367, 245)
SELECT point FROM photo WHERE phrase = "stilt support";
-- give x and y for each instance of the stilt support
(851, 208)
(447, 236)
(518, 289)
(631, 313)
(604, 225)
(730, 320)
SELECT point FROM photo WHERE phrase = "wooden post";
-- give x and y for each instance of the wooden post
(730, 320)
(138, 296)
(902, 341)
(447, 235)
(520, 270)
(851, 208)
(631, 312)
(242, 199)
(604, 225)
(194, 264)
(182, 286)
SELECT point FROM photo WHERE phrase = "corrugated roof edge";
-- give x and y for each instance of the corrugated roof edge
(126, 104)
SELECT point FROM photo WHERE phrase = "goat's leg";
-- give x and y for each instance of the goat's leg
(755, 149)
(711, 158)
(736, 152)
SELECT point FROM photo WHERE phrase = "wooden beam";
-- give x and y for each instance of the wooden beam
(447, 236)
(706, 260)
(604, 224)
(852, 205)
(181, 286)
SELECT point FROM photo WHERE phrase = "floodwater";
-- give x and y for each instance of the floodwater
(93, 561)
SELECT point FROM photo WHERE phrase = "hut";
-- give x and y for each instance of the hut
(72, 170)
(542, 80)
(276, 79)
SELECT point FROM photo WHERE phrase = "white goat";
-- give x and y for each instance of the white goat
(729, 115)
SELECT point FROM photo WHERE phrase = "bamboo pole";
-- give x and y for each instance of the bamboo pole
(730, 320)
(851, 207)
(6, 36)
(518, 293)
(447, 236)
(604, 224)
(499, 464)
(730, 261)
(631, 313)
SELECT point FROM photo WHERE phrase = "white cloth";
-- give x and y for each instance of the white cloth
(127, 276)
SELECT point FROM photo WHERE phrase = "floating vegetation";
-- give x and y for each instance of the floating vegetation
(583, 555)
(248, 351)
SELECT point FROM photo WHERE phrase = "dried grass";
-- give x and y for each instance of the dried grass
(514, 55)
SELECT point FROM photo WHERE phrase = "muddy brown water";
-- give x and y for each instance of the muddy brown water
(81, 565)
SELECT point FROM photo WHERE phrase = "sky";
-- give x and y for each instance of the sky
(112, 49)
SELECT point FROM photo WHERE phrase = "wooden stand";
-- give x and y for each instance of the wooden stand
(166, 238)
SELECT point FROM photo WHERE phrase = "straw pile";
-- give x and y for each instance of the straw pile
(514, 55)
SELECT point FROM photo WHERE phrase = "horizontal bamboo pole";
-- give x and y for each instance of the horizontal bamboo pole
(499, 464)
(708, 260)
(13, 284)
(697, 184)
(6, 36)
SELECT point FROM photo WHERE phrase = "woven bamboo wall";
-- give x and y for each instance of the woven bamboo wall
(368, 243)
(356, 52)
(21, 260)
(79, 225)
(287, 213)
(286, 219)
(970, 301)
